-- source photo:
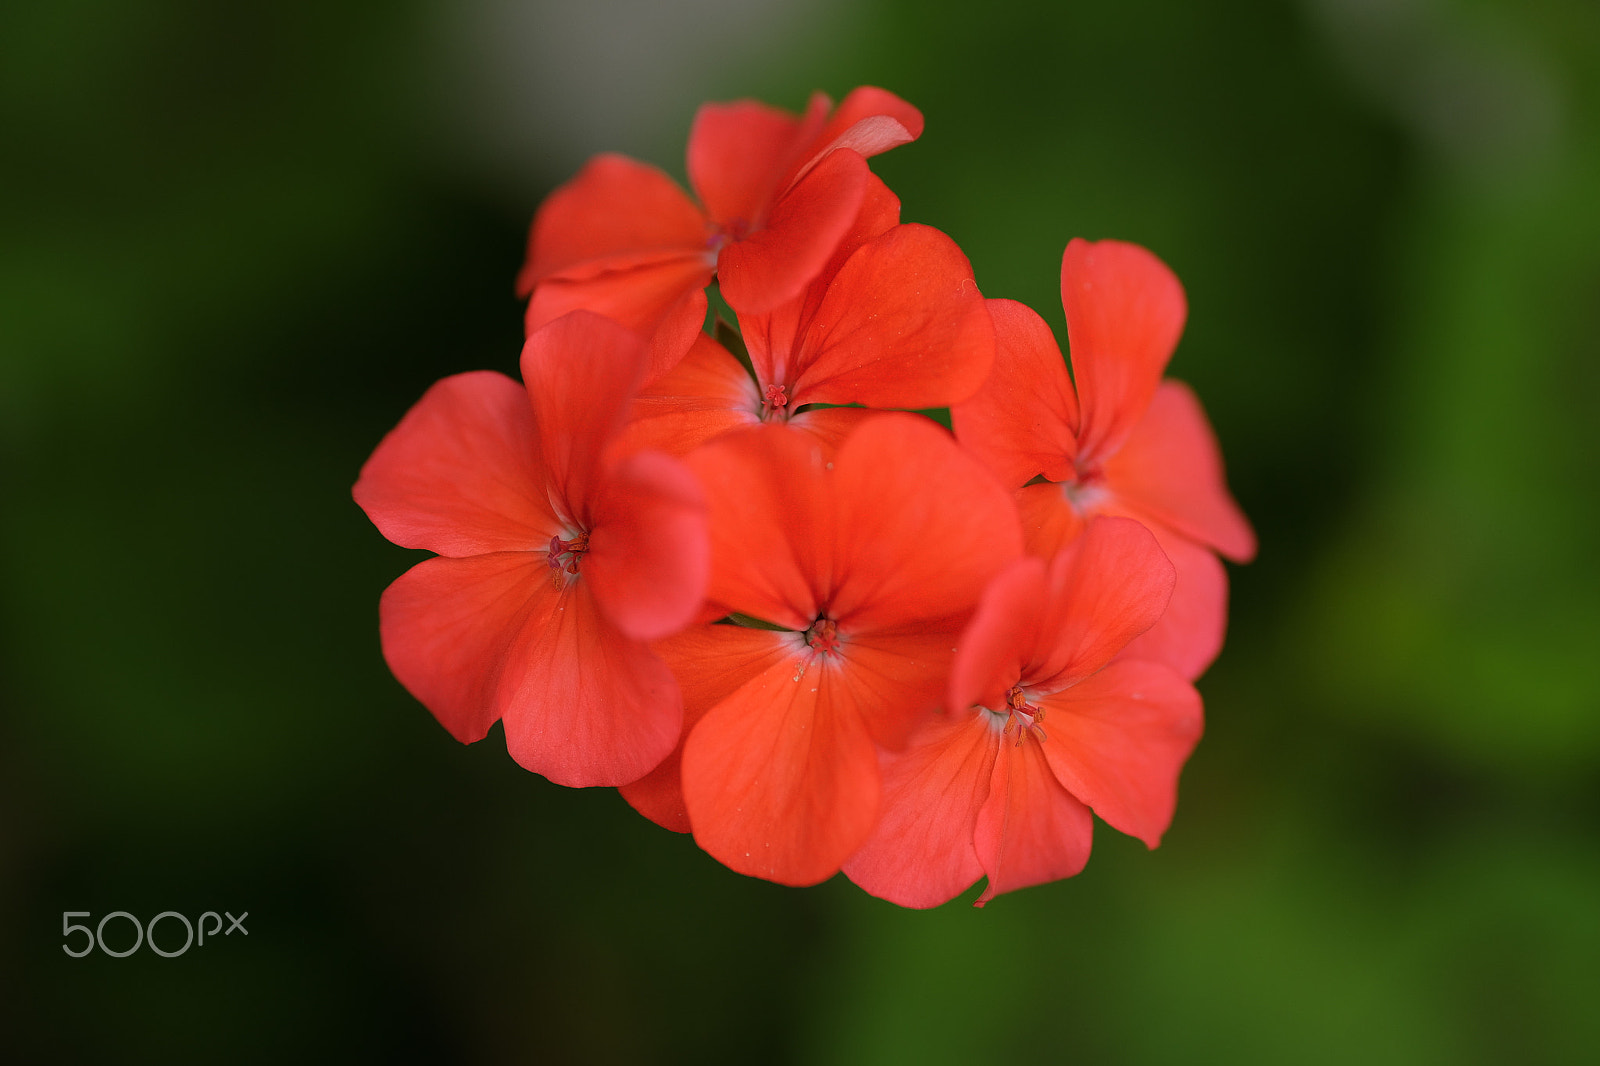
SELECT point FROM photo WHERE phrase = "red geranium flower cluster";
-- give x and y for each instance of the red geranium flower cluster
(728, 573)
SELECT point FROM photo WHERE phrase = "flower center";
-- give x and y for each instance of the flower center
(823, 637)
(774, 404)
(1088, 492)
(1023, 717)
(563, 557)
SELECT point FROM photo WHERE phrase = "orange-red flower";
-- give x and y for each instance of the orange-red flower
(779, 192)
(557, 559)
(1038, 729)
(870, 563)
(1121, 441)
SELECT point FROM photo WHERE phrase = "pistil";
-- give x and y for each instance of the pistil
(773, 405)
(564, 555)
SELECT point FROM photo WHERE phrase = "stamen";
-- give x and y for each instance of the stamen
(823, 636)
(563, 557)
(774, 403)
(1024, 717)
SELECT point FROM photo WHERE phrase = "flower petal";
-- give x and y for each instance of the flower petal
(1106, 588)
(771, 522)
(1049, 520)
(615, 205)
(1170, 470)
(905, 553)
(773, 336)
(662, 299)
(1023, 422)
(897, 677)
(773, 264)
(738, 153)
(831, 425)
(1117, 741)
(992, 652)
(1189, 635)
(1125, 312)
(902, 325)
(448, 625)
(461, 474)
(648, 557)
(706, 395)
(583, 703)
(920, 853)
(711, 662)
(1030, 830)
(870, 120)
(781, 778)
(581, 371)
(492, 637)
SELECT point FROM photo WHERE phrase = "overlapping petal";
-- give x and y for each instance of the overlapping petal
(1105, 588)
(1170, 471)
(706, 395)
(902, 325)
(1189, 635)
(663, 300)
(1030, 829)
(711, 662)
(583, 704)
(449, 625)
(896, 676)
(1023, 422)
(994, 650)
(920, 853)
(771, 514)
(1050, 521)
(774, 337)
(648, 558)
(781, 779)
(906, 553)
(1125, 312)
(870, 120)
(492, 637)
(581, 372)
(774, 263)
(615, 206)
(741, 152)
(461, 474)
(1117, 741)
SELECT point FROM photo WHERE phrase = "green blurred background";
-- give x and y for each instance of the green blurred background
(240, 240)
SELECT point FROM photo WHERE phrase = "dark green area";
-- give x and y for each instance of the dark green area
(232, 254)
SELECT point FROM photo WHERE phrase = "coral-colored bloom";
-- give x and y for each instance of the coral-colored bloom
(870, 563)
(779, 193)
(1038, 730)
(557, 560)
(895, 320)
(1121, 442)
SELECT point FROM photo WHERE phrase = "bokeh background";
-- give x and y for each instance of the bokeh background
(240, 240)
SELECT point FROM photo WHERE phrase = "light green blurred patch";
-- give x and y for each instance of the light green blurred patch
(1461, 606)
(1306, 947)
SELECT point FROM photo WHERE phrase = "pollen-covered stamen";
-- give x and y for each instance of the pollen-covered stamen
(775, 401)
(823, 637)
(1025, 717)
(564, 554)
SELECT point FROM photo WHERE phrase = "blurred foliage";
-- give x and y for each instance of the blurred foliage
(236, 246)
